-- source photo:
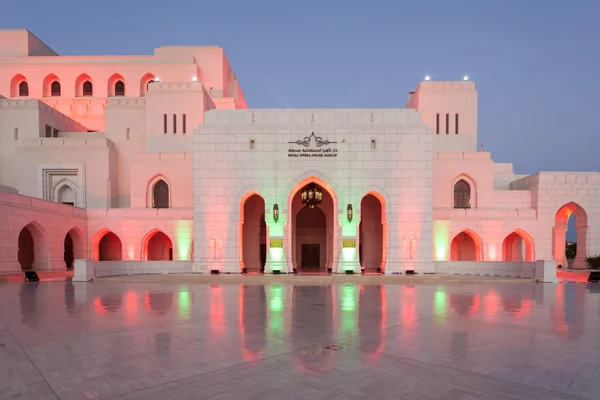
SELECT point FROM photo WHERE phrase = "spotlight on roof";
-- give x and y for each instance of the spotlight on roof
(427, 78)
(194, 79)
(466, 78)
(156, 79)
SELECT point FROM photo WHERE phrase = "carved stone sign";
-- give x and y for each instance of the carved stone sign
(312, 146)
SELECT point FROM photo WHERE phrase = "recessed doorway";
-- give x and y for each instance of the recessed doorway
(311, 258)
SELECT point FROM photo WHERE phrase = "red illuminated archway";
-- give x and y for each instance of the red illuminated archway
(106, 246)
(559, 232)
(372, 233)
(157, 246)
(518, 246)
(466, 246)
(252, 233)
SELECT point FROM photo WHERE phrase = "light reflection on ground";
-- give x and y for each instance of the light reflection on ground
(353, 340)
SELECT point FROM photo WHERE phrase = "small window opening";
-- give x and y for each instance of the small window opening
(456, 124)
(251, 144)
(16, 133)
(165, 124)
(174, 123)
(184, 122)
(447, 124)
(437, 123)
(373, 144)
(127, 134)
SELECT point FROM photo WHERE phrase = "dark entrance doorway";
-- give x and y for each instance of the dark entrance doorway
(311, 257)
(26, 251)
(68, 247)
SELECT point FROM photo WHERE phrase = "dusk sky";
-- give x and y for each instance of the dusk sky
(535, 64)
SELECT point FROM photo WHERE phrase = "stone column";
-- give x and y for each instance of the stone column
(279, 243)
(348, 259)
(582, 247)
(559, 234)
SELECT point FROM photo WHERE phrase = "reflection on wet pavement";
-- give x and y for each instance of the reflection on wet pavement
(167, 340)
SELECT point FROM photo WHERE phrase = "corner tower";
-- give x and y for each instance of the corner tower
(449, 108)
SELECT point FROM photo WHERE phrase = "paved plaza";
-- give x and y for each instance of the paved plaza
(225, 339)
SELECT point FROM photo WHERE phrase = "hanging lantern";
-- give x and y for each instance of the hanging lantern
(312, 195)
(349, 212)
(275, 212)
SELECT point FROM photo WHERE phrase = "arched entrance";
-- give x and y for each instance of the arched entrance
(109, 247)
(26, 250)
(32, 249)
(312, 236)
(254, 234)
(518, 246)
(69, 256)
(465, 246)
(370, 231)
(561, 222)
(157, 247)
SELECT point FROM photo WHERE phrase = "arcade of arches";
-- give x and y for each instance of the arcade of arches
(33, 252)
(312, 235)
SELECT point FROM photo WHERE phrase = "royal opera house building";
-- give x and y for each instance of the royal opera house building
(156, 164)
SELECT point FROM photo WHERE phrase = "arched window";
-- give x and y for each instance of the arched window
(23, 89)
(160, 195)
(462, 194)
(66, 195)
(119, 88)
(55, 88)
(88, 89)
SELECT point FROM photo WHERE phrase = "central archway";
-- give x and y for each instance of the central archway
(313, 231)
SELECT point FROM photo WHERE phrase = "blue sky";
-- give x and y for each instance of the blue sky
(535, 63)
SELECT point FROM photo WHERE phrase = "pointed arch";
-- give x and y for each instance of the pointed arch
(157, 245)
(252, 236)
(116, 85)
(146, 80)
(59, 192)
(372, 234)
(518, 246)
(243, 195)
(19, 87)
(51, 86)
(464, 192)
(106, 246)
(466, 246)
(329, 257)
(322, 180)
(84, 86)
(74, 246)
(559, 233)
(32, 247)
(164, 191)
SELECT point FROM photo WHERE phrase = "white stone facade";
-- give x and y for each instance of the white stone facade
(158, 158)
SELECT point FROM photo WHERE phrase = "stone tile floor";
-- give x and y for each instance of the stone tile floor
(343, 340)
